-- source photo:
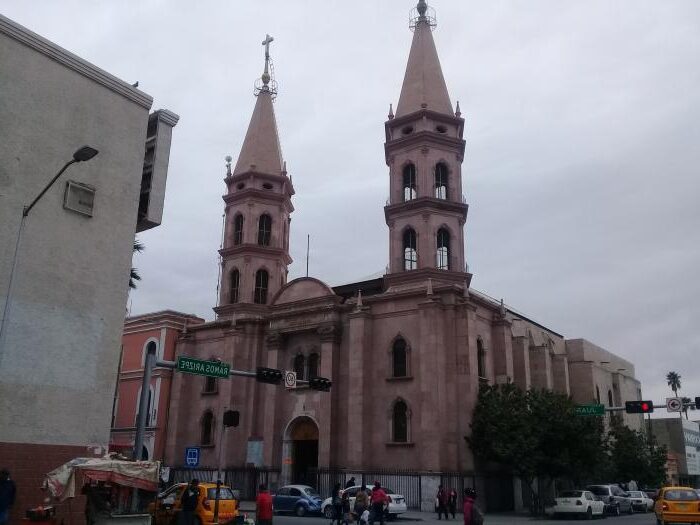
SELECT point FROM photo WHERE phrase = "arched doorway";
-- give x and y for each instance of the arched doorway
(303, 434)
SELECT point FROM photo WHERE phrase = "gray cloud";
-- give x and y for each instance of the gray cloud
(582, 147)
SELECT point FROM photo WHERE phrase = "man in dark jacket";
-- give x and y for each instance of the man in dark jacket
(188, 502)
(441, 502)
(8, 491)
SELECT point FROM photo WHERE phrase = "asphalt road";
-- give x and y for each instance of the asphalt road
(425, 518)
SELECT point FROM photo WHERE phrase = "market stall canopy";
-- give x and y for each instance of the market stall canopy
(138, 474)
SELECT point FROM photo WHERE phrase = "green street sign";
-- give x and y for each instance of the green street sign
(589, 410)
(202, 368)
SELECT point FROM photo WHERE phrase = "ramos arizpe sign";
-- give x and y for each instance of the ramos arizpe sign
(190, 365)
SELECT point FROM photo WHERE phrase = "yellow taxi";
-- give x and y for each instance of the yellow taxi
(677, 505)
(166, 508)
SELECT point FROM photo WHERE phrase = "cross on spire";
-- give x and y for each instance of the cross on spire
(266, 75)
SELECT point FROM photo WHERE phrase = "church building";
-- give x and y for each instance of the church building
(405, 352)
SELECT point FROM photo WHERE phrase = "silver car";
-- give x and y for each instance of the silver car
(616, 500)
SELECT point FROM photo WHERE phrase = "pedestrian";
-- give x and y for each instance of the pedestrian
(8, 492)
(441, 502)
(337, 504)
(263, 506)
(472, 514)
(361, 502)
(345, 504)
(188, 503)
(350, 483)
(378, 500)
(452, 502)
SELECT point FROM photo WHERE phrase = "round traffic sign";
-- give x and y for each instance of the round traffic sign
(290, 379)
(674, 404)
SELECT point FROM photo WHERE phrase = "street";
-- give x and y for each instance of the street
(424, 518)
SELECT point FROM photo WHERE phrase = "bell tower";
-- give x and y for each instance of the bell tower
(258, 205)
(424, 150)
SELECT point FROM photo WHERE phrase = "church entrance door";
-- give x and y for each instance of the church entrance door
(304, 436)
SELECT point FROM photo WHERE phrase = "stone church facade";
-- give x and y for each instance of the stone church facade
(406, 352)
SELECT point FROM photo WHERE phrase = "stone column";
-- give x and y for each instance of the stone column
(465, 391)
(502, 349)
(329, 336)
(541, 367)
(273, 344)
(560, 373)
(521, 362)
(174, 451)
(426, 438)
(359, 353)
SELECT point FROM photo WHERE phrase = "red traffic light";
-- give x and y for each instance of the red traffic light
(639, 407)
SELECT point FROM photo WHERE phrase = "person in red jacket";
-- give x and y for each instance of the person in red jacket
(378, 498)
(472, 514)
(263, 507)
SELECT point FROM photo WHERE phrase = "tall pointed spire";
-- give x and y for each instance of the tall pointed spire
(423, 84)
(261, 150)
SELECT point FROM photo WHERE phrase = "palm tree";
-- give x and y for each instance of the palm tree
(687, 404)
(674, 381)
(134, 275)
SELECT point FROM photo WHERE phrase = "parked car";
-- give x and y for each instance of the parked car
(299, 499)
(579, 503)
(615, 499)
(166, 509)
(677, 505)
(397, 503)
(640, 501)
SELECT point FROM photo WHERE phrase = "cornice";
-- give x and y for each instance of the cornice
(425, 203)
(424, 137)
(421, 113)
(250, 248)
(67, 59)
(253, 194)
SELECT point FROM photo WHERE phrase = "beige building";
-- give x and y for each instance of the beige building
(62, 321)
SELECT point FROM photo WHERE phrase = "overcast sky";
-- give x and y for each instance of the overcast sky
(581, 170)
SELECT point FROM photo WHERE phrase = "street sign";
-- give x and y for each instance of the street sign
(589, 410)
(674, 404)
(290, 379)
(202, 368)
(192, 457)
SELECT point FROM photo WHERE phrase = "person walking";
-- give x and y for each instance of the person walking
(337, 504)
(263, 506)
(441, 502)
(452, 502)
(345, 505)
(472, 514)
(378, 500)
(350, 483)
(361, 502)
(188, 503)
(8, 492)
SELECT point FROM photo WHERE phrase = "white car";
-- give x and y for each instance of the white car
(397, 503)
(640, 501)
(581, 503)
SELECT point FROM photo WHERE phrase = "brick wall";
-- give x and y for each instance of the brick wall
(28, 464)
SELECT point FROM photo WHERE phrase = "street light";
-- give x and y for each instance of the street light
(81, 155)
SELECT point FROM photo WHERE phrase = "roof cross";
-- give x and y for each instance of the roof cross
(266, 74)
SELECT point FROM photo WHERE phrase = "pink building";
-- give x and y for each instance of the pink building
(162, 330)
(406, 352)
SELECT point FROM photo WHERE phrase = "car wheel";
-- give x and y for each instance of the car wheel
(300, 510)
(589, 514)
(328, 512)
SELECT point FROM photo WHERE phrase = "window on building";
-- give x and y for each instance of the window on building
(210, 386)
(597, 394)
(481, 361)
(400, 422)
(207, 428)
(410, 255)
(398, 358)
(264, 229)
(261, 279)
(610, 398)
(443, 249)
(299, 366)
(234, 286)
(440, 181)
(409, 182)
(313, 363)
(238, 229)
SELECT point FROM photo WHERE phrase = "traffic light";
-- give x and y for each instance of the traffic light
(639, 407)
(232, 418)
(271, 376)
(320, 383)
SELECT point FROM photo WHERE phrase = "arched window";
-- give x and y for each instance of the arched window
(313, 365)
(400, 422)
(398, 358)
(264, 229)
(481, 361)
(440, 181)
(234, 286)
(410, 255)
(207, 428)
(597, 394)
(299, 365)
(443, 249)
(260, 295)
(610, 398)
(238, 229)
(409, 182)
(150, 346)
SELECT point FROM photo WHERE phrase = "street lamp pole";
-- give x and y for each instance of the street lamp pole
(83, 154)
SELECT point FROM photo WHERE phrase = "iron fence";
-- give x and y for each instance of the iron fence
(245, 480)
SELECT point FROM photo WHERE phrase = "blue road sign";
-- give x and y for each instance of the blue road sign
(192, 457)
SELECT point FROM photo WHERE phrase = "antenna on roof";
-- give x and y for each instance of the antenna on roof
(308, 242)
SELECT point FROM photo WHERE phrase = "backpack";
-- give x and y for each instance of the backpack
(477, 516)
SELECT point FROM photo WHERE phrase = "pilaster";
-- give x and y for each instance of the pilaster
(360, 353)
(501, 342)
(273, 345)
(521, 362)
(329, 335)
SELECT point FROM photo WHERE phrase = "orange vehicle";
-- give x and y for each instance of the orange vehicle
(166, 508)
(677, 505)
